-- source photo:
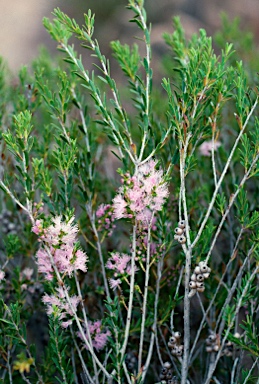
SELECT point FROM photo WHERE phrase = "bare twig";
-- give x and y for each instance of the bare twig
(207, 215)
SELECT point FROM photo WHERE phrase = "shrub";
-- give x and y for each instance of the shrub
(150, 275)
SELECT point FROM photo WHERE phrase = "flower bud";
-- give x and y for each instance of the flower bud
(167, 365)
(216, 348)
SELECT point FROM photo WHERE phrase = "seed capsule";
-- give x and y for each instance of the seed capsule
(169, 375)
(176, 237)
(164, 371)
(181, 224)
(182, 239)
(172, 339)
(200, 285)
(203, 266)
(197, 270)
(178, 231)
(206, 275)
(216, 348)
(178, 352)
(192, 284)
(173, 351)
(200, 277)
(209, 349)
(201, 289)
(212, 337)
(174, 380)
(193, 277)
(167, 365)
(177, 335)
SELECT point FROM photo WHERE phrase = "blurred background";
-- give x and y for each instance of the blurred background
(22, 31)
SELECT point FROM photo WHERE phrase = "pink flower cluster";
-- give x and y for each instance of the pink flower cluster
(60, 239)
(120, 264)
(98, 336)
(206, 147)
(61, 303)
(141, 194)
(106, 218)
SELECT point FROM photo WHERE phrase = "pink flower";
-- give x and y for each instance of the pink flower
(100, 340)
(61, 303)
(51, 300)
(206, 147)
(65, 324)
(60, 238)
(99, 336)
(102, 210)
(44, 264)
(114, 283)
(120, 264)
(37, 228)
(80, 261)
(110, 265)
(142, 194)
(61, 231)
(119, 205)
